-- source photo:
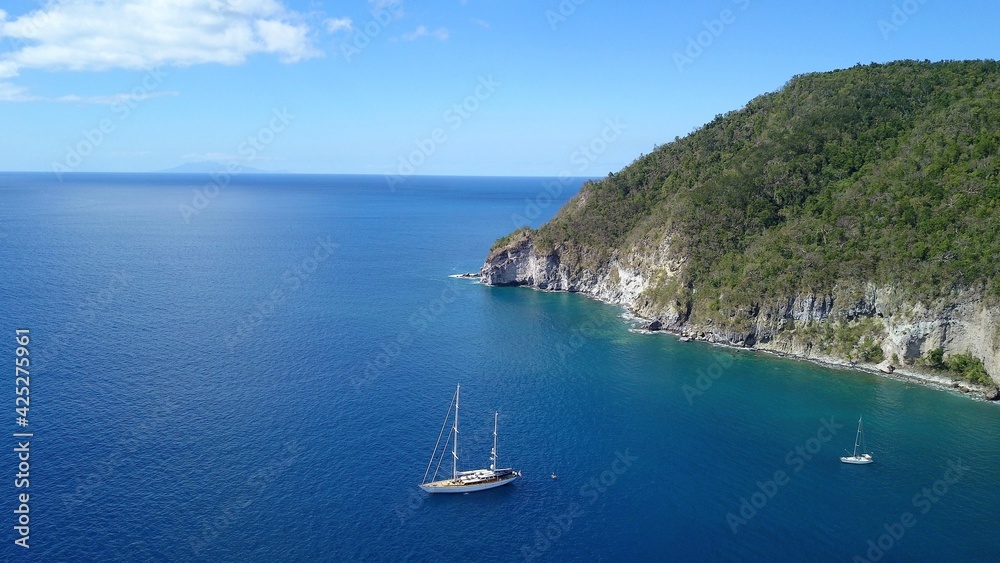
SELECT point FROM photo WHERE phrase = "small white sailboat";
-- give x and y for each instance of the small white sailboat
(856, 458)
(465, 481)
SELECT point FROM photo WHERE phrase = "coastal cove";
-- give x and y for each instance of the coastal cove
(701, 386)
(641, 325)
(202, 385)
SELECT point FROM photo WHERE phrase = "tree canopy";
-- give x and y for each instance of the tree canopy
(882, 172)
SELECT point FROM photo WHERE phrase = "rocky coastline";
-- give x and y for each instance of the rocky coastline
(800, 327)
(885, 368)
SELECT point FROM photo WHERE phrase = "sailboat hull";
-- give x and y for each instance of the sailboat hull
(857, 459)
(464, 486)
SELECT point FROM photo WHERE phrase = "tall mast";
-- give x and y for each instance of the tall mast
(862, 433)
(493, 457)
(857, 437)
(454, 445)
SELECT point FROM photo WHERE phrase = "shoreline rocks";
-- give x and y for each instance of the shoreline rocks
(959, 323)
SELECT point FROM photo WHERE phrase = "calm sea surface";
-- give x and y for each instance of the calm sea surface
(258, 372)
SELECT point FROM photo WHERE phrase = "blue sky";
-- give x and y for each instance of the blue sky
(468, 87)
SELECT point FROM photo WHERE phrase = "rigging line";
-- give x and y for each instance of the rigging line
(441, 459)
(862, 432)
(434, 453)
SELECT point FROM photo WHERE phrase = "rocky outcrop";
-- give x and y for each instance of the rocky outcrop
(808, 326)
(519, 264)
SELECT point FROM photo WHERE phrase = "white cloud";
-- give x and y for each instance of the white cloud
(333, 25)
(288, 41)
(8, 69)
(441, 34)
(481, 23)
(113, 98)
(96, 35)
(13, 93)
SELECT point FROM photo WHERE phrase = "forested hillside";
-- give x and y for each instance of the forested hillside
(884, 175)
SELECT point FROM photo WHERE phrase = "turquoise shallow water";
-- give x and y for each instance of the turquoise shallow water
(265, 381)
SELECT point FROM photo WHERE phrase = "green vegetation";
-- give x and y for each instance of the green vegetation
(881, 172)
(964, 365)
(968, 366)
(935, 358)
(858, 339)
(870, 351)
(516, 236)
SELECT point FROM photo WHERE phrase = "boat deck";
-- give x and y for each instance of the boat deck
(473, 480)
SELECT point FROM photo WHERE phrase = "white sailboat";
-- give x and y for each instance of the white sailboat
(856, 458)
(465, 481)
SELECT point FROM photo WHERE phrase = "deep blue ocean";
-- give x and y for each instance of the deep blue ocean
(258, 371)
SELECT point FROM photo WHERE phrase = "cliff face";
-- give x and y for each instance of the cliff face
(621, 281)
(830, 327)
